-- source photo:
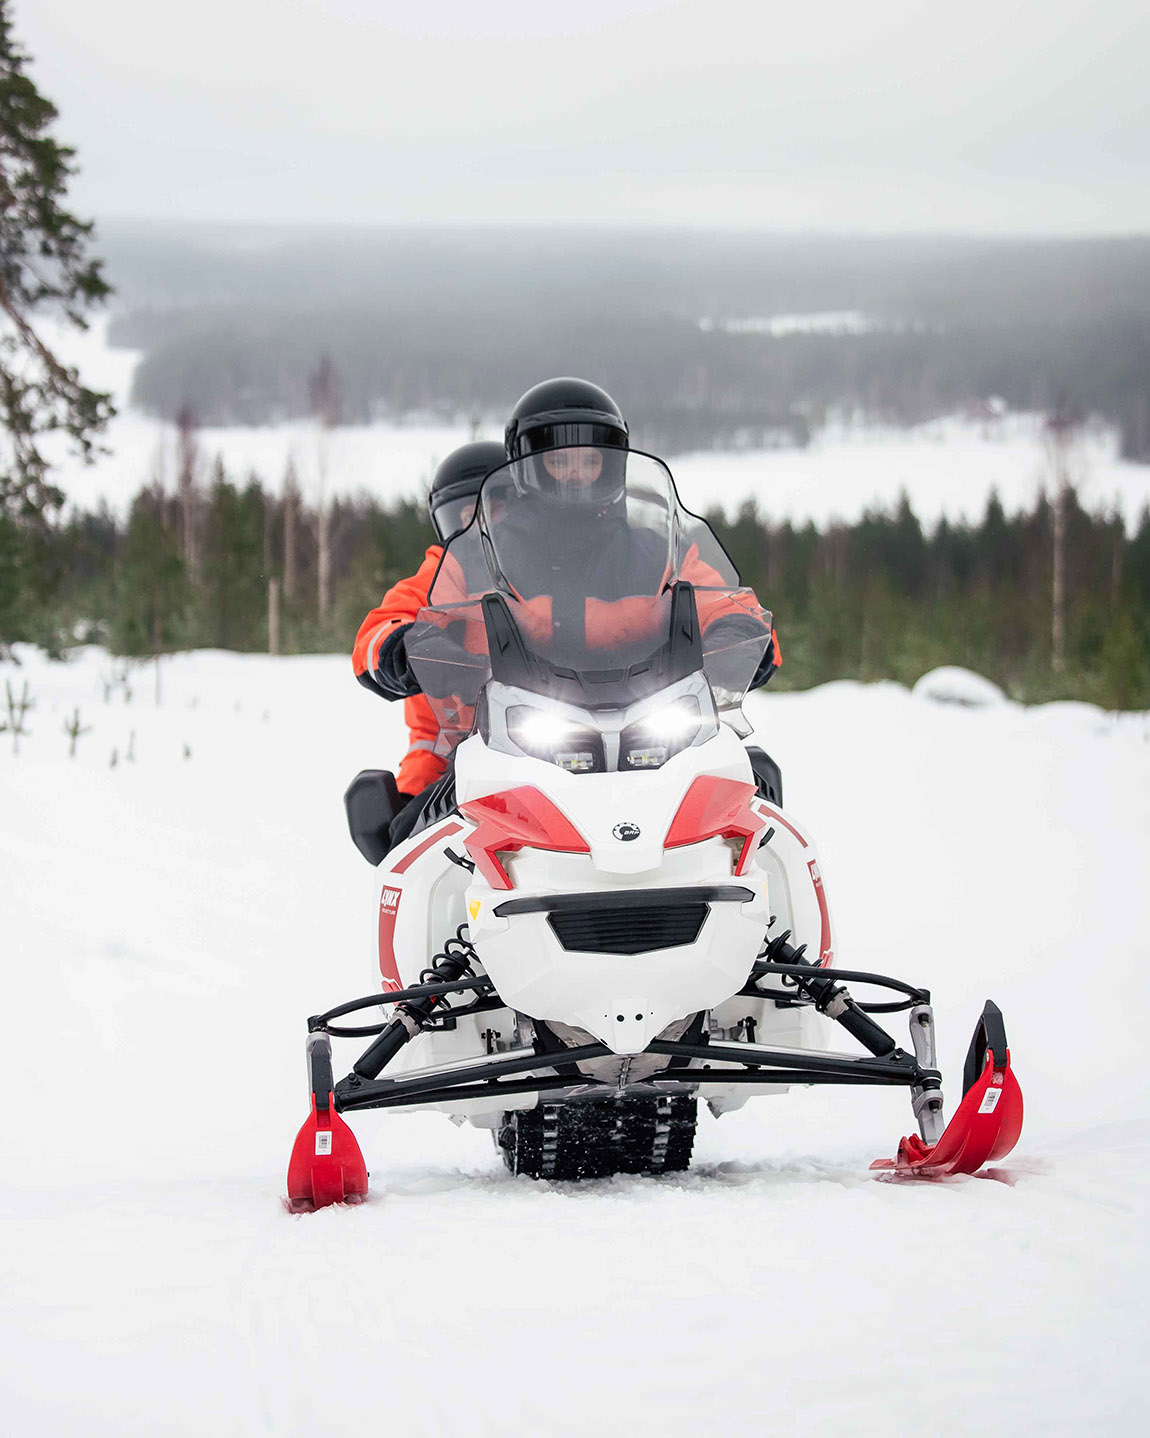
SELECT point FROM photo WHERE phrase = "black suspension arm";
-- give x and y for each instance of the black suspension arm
(365, 1091)
(895, 1067)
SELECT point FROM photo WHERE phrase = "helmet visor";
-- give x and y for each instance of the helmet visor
(584, 476)
(574, 435)
(452, 515)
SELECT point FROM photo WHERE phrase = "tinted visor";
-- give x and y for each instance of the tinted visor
(565, 436)
(452, 515)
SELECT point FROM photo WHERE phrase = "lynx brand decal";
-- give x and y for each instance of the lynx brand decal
(474, 907)
(388, 909)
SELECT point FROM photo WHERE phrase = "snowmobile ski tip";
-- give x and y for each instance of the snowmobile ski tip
(986, 1124)
(326, 1164)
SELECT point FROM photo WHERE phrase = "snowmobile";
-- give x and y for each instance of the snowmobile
(604, 913)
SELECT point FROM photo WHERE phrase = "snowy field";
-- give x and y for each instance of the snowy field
(170, 921)
(947, 468)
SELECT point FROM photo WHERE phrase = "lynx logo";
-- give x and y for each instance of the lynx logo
(626, 832)
(390, 899)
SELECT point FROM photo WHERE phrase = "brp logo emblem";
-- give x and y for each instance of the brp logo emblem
(626, 832)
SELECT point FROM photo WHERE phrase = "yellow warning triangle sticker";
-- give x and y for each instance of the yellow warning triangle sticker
(474, 907)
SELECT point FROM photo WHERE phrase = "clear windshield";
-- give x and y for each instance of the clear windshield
(584, 545)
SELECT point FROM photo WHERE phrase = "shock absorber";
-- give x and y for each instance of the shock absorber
(831, 998)
(414, 1015)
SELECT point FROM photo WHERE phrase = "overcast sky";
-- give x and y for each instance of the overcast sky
(1025, 116)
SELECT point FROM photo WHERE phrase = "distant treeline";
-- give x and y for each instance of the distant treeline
(210, 565)
(459, 323)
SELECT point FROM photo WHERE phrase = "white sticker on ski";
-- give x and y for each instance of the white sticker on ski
(990, 1100)
(322, 1142)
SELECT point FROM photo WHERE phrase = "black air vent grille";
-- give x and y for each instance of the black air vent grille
(633, 929)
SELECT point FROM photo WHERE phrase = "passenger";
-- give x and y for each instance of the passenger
(379, 660)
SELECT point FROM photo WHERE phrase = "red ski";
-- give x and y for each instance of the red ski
(986, 1124)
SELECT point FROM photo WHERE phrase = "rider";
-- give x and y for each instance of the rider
(379, 660)
(570, 440)
(586, 424)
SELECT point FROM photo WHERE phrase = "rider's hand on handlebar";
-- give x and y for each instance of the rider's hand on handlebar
(392, 671)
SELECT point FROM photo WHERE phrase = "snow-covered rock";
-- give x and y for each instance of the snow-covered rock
(953, 685)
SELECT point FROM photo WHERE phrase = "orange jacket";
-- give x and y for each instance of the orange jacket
(401, 604)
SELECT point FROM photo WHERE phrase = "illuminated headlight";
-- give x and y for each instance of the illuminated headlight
(652, 740)
(572, 747)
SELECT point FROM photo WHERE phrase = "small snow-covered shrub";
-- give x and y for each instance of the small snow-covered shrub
(953, 685)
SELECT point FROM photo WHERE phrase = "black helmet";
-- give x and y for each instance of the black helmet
(562, 412)
(457, 482)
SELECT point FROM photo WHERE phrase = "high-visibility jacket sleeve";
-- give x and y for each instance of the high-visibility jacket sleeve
(697, 571)
(400, 605)
(421, 766)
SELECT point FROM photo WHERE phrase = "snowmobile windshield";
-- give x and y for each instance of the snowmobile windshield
(583, 544)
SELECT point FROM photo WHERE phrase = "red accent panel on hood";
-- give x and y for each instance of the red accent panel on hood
(715, 808)
(444, 831)
(523, 818)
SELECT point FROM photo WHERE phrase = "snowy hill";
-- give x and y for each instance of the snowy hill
(170, 921)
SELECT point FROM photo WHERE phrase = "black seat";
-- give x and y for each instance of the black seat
(768, 775)
(373, 804)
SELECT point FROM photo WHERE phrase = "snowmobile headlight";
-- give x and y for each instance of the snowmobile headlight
(652, 740)
(572, 747)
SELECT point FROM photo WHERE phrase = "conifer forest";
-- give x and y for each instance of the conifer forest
(235, 564)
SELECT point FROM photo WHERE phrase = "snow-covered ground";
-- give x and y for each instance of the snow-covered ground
(169, 922)
(947, 468)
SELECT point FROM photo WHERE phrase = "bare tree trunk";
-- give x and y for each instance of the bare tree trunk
(291, 520)
(1058, 587)
(188, 458)
(324, 392)
(273, 616)
(323, 558)
(1059, 428)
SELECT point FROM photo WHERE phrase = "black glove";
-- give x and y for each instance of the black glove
(392, 671)
(767, 664)
(733, 629)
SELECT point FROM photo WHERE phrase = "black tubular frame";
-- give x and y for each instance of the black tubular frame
(886, 1066)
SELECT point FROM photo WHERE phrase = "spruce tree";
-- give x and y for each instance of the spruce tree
(44, 261)
(151, 593)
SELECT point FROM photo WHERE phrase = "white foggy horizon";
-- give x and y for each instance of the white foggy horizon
(1008, 119)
